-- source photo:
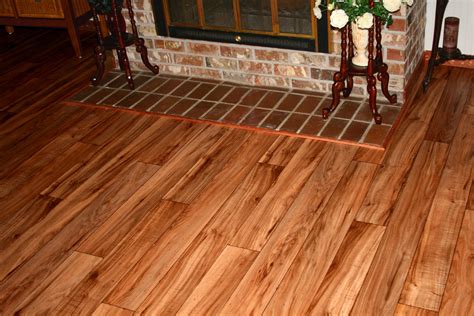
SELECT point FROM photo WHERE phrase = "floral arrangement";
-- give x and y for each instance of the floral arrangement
(359, 11)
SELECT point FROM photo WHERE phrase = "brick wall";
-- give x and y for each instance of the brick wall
(403, 47)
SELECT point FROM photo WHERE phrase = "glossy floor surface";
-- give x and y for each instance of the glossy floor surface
(112, 212)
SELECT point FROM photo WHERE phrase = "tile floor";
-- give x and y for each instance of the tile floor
(284, 111)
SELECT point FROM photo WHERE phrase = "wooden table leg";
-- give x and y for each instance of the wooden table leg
(440, 9)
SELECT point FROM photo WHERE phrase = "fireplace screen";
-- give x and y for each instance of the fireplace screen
(273, 23)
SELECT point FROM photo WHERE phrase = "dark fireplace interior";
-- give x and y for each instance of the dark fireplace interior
(287, 24)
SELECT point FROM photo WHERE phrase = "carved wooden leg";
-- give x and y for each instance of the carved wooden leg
(440, 9)
(122, 54)
(384, 78)
(337, 87)
(100, 63)
(350, 84)
(372, 90)
(141, 48)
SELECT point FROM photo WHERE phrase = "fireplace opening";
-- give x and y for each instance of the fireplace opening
(287, 24)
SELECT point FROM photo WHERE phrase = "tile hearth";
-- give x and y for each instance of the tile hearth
(292, 112)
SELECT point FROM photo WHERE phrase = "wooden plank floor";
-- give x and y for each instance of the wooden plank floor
(112, 213)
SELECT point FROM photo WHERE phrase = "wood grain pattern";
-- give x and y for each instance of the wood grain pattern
(109, 310)
(427, 278)
(137, 285)
(446, 118)
(19, 222)
(270, 267)
(172, 291)
(204, 170)
(345, 276)
(383, 194)
(93, 290)
(215, 288)
(387, 185)
(59, 237)
(255, 232)
(405, 310)
(149, 195)
(330, 226)
(61, 283)
(459, 295)
(76, 177)
(370, 155)
(383, 285)
(282, 151)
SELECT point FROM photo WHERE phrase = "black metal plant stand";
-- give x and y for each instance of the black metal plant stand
(119, 39)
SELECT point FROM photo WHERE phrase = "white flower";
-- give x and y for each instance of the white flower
(331, 6)
(392, 5)
(339, 18)
(409, 2)
(317, 3)
(365, 21)
(317, 12)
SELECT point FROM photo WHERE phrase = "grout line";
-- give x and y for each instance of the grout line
(290, 113)
(312, 114)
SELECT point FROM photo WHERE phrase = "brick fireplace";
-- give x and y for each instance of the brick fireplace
(266, 66)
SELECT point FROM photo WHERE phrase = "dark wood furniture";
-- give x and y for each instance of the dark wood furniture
(343, 79)
(118, 38)
(437, 56)
(67, 14)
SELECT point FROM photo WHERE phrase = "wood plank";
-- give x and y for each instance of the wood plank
(469, 108)
(330, 223)
(428, 274)
(260, 283)
(345, 276)
(16, 148)
(218, 284)
(171, 292)
(106, 162)
(172, 143)
(19, 198)
(20, 221)
(458, 297)
(452, 104)
(255, 232)
(47, 155)
(137, 285)
(109, 310)
(384, 282)
(89, 294)
(101, 241)
(60, 283)
(470, 201)
(209, 165)
(370, 155)
(62, 230)
(384, 192)
(405, 310)
(387, 185)
(410, 134)
(282, 151)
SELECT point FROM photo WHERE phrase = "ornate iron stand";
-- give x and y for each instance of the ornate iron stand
(119, 39)
(343, 79)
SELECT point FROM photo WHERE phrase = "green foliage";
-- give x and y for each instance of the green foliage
(105, 6)
(361, 7)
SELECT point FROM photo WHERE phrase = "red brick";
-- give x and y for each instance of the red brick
(189, 60)
(205, 49)
(256, 67)
(271, 55)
